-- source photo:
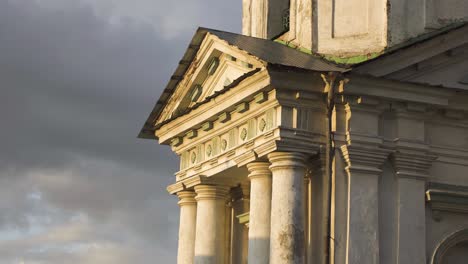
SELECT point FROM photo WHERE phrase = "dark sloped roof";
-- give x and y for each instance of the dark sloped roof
(413, 42)
(276, 53)
(264, 49)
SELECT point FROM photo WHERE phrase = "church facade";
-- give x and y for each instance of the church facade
(328, 132)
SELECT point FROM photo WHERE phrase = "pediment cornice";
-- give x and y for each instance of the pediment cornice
(216, 66)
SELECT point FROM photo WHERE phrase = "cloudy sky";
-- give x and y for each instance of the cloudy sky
(78, 79)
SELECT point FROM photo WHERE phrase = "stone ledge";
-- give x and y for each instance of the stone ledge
(448, 198)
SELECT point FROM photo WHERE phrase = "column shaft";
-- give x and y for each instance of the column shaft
(260, 213)
(211, 223)
(287, 208)
(187, 225)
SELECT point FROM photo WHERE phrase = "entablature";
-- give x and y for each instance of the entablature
(252, 130)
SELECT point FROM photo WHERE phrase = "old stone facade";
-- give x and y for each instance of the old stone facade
(330, 132)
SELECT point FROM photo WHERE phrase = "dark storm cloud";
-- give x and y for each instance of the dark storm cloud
(75, 85)
(75, 90)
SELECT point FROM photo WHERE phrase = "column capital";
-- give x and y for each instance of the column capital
(259, 169)
(413, 165)
(186, 198)
(365, 159)
(211, 192)
(284, 160)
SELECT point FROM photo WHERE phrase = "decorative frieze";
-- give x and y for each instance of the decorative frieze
(223, 144)
(219, 144)
(270, 118)
(262, 125)
(232, 138)
(244, 136)
(184, 160)
(209, 151)
(215, 145)
(251, 129)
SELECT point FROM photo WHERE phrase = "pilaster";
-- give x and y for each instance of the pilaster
(363, 169)
(411, 161)
(412, 173)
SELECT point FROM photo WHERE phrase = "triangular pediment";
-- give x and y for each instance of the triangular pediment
(216, 58)
(215, 66)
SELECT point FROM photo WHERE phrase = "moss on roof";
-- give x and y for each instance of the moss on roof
(352, 60)
(330, 58)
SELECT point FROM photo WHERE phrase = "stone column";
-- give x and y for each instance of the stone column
(412, 172)
(287, 208)
(240, 232)
(211, 223)
(363, 169)
(260, 212)
(188, 214)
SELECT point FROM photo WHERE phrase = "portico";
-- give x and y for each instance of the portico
(245, 146)
(288, 158)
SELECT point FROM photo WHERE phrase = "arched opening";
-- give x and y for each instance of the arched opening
(457, 254)
(454, 250)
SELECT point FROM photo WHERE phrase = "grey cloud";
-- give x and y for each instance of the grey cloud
(76, 88)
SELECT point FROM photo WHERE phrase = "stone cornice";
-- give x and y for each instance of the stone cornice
(395, 90)
(450, 155)
(449, 198)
